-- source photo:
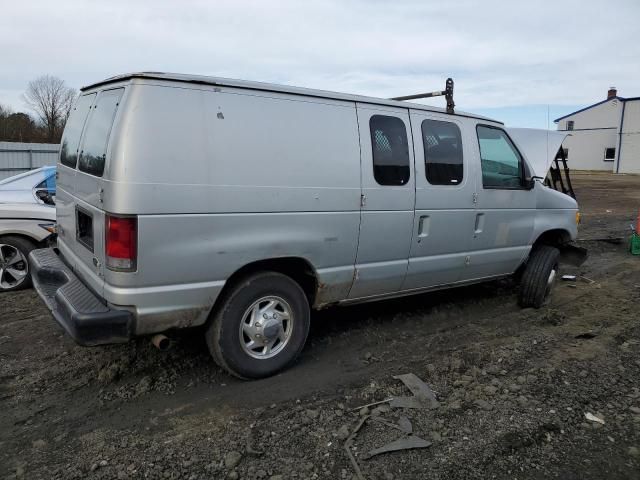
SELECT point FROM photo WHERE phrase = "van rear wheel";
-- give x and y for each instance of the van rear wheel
(539, 276)
(261, 326)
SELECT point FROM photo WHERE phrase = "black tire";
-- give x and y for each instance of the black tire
(535, 287)
(24, 246)
(223, 333)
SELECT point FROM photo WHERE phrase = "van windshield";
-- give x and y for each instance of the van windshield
(96, 136)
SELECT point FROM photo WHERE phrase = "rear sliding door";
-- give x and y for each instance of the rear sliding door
(387, 204)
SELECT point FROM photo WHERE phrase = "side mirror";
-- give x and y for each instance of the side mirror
(530, 182)
(45, 197)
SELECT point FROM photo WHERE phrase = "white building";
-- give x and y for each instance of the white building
(605, 135)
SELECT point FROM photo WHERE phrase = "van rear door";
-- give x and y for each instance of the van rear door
(84, 218)
(66, 171)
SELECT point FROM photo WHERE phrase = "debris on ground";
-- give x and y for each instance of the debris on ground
(568, 277)
(423, 396)
(406, 443)
(404, 424)
(593, 418)
(587, 335)
(387, 400)
(348, 444)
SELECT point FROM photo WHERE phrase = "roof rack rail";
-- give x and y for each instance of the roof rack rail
(447, 92)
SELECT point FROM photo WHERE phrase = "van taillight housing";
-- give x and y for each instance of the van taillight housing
(121, 242)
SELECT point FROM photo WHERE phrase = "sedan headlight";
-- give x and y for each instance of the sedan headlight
(49, 227)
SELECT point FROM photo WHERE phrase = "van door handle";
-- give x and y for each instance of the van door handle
(479, 224)
(423, 226)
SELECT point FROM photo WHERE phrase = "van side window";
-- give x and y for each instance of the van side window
(390, 150)
(96, 136)
(442, 152)
(501, 162)
(73, 130)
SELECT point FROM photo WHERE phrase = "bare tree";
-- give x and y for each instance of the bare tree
(52, 100)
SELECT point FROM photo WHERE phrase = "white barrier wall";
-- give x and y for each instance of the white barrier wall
(16, 157)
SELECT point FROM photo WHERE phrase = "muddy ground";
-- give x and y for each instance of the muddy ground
(513, 385)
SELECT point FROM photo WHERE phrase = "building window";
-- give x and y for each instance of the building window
(569, 124)
(390, 150)
(609, 154)
(442, 152)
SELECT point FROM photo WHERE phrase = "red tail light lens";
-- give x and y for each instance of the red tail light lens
(121, 243)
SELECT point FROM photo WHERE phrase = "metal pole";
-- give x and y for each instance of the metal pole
(421, 95)
(447, 92)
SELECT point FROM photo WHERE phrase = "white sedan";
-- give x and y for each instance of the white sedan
(23, 227)
(34, 186)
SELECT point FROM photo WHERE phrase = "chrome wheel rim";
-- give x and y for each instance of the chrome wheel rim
(266, 327)
(13, 267)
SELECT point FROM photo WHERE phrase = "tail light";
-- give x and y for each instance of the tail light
(121, 243)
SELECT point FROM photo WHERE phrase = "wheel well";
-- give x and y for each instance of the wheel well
(554, 238)
(296, 268)
(22, 236)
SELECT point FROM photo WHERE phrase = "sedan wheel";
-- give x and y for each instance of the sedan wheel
(14, 266)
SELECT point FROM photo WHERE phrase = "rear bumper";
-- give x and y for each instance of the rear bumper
(84, 315)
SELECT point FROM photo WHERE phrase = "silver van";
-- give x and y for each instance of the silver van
(188, 201)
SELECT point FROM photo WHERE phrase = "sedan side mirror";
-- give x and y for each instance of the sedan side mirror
(45, 197)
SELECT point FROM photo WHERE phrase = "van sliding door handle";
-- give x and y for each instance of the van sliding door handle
(479, 223)
(423, 227)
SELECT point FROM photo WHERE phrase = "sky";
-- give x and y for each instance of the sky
(520, 62)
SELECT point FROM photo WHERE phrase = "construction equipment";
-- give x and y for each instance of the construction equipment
(556, 173)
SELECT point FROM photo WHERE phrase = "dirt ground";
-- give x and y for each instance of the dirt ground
(513, 385)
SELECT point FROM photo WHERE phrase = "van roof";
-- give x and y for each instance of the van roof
(272, 87)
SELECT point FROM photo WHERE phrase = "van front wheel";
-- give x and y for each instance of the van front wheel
(261, 326)
(539, 276)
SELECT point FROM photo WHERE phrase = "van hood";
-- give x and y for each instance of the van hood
(539, 147)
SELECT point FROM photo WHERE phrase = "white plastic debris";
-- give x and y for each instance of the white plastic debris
(568, 277)
(592, 418)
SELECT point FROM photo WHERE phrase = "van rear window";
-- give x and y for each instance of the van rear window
(96, 136)
(73, 130)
